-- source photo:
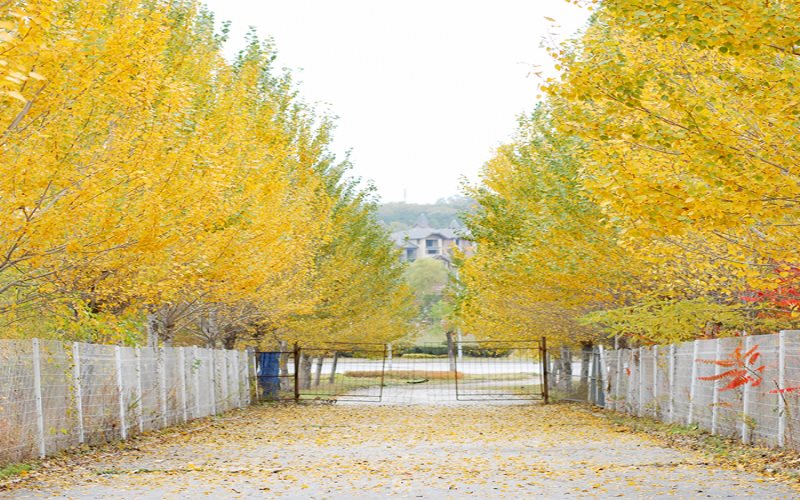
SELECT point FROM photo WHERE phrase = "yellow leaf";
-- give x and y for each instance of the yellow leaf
(16, 95)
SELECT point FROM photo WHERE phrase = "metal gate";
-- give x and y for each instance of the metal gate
(364, 372)
(325, 372)
(501, 370)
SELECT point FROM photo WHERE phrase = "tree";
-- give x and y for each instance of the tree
(147, 182)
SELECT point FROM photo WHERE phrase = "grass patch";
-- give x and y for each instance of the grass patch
(423, 355)
(13, 470)
(405, 374)
(506, 377)
(783, 463)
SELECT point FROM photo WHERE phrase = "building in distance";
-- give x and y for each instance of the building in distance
(425, 242)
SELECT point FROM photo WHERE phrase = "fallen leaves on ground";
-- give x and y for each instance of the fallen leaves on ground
(315, 451)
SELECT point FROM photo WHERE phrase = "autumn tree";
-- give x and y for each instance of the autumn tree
(149, 184)
(679, 121)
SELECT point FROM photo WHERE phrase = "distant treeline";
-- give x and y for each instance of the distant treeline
(467, 350)
(399, 215)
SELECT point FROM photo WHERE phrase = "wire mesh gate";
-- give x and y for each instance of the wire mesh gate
(501, 370)
(433, 373)
(324, 372)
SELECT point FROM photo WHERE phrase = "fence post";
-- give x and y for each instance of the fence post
(254, 395)
(592, 382)
(213, 366)
(296, 373)
(545, 367)
(715, 401)
(603, 376)
(656, 405)
(671, 379)
(182, 372)
(76, 385)
(745, 397)
(37, 388)
(226, 403)
(781, 386)
(629, 390)
(238, 377)
(123, 425)
(247, 357)
(693, 383)
(617, 379)
(389, 356)
(640, 409)
(139, 391)
(196, 380)
(162, 378)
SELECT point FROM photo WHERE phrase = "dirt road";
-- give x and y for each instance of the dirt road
(423, 451)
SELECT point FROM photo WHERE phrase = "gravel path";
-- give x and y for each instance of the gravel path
(410, 451)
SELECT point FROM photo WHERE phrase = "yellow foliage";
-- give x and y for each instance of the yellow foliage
(143, 172)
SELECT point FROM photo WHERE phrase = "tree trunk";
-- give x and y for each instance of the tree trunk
(556, 372)
(451, 352)
(152, 330)
(566, 365)
(318, 374)
(286, 382)
(586, 358)
(305, 371)
(332, 378)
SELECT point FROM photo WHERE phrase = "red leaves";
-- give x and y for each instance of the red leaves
(742, 369)
(784, 391)
(785, 296)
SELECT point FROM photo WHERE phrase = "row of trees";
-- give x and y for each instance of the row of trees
(149, 185)
(655, 193)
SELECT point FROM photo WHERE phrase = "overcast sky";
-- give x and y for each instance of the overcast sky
(423, 90)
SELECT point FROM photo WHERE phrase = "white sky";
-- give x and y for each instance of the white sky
(424, 89)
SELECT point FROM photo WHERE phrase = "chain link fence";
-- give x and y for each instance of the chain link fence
(56, 395)
(742, 387)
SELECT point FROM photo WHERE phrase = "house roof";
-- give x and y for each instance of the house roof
(403, 238)
(422, 221)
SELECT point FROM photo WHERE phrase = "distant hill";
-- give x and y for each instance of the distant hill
(399, 215)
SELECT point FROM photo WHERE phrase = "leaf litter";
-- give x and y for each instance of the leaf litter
(324, 451)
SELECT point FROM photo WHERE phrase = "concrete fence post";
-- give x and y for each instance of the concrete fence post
(640, 371)
(248, 356)
(78, 390)
(182, 374)
(213, 368)
(139, 390)
(671, 381)
(693, 383)
(162, 385)
(617, 379)
(224, 381)
(196, 380)
(781, 385)
(715, 396)
(629, 391)
(656, 404)
(591, 389)
(603, 376)
(238, 377)
(37, 389)
(123, 424)
(745, 397)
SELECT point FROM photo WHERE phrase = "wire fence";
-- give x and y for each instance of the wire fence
(742, 387)
(56, 395)
(373, 373)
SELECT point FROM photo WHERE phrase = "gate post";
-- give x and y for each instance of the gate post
(543, 349)
(296, 372)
